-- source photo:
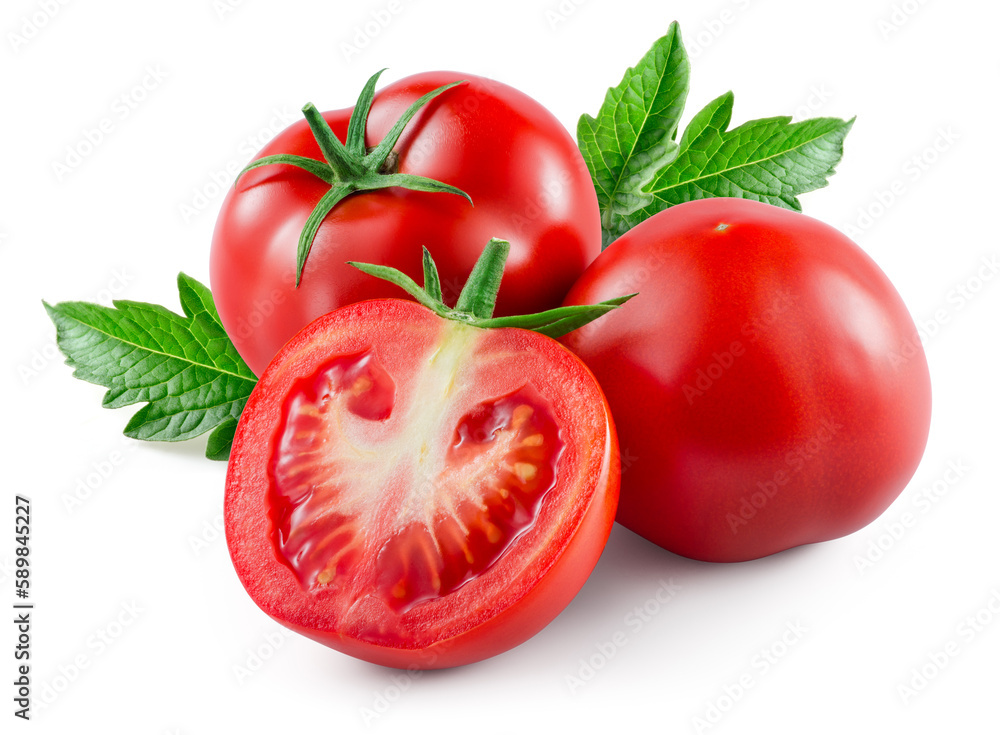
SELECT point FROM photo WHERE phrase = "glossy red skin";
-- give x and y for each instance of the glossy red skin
(808, 429)
(495, 612)
(523, 171)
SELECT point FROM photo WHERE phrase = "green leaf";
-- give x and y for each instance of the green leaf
(770, 160)
(220, 441)
(639, 169)
(633, 134)
(183, 367)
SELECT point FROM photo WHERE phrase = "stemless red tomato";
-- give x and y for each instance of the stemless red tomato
(526, 178)
(767, 383)
(414, 491)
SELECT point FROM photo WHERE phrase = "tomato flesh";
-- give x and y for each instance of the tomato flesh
(402, 484)
(474, 512)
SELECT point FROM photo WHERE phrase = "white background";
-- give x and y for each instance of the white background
(920, 76)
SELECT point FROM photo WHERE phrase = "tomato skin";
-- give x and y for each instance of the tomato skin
(540, 573)
(767, 382)
(522, 169)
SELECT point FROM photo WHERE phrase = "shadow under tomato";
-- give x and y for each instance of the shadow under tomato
(632, 572)
(636, 578)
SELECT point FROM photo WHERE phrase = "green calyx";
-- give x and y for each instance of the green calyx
(350, 167)
(476, 302)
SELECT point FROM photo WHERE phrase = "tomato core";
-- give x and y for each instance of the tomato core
(456, 505)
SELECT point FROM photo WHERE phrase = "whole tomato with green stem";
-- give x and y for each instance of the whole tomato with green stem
(768, 383)
(437, 158)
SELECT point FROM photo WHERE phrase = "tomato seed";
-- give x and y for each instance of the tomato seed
(525, 471)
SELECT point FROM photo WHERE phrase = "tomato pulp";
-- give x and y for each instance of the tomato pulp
(415, 491)
(768, 383)
(523, 171)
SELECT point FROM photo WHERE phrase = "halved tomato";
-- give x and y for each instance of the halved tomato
(418, 492)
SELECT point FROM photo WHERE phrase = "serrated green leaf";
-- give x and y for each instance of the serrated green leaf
(184, 367)
(772, 160)
(639, 169)
(633, 135)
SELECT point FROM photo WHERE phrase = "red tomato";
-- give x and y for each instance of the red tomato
(414, 491)
(526, 178)
(768, 384)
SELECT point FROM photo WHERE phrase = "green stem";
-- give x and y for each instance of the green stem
(343, 164)
(351, 168)
(478, 297)
(359, 117)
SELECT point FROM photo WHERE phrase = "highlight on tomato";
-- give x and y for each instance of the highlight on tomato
(423, 486)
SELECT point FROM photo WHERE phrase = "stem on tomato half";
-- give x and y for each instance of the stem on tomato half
(478, 298)
(350, 167)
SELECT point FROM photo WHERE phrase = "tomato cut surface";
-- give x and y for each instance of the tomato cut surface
(415, 491)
